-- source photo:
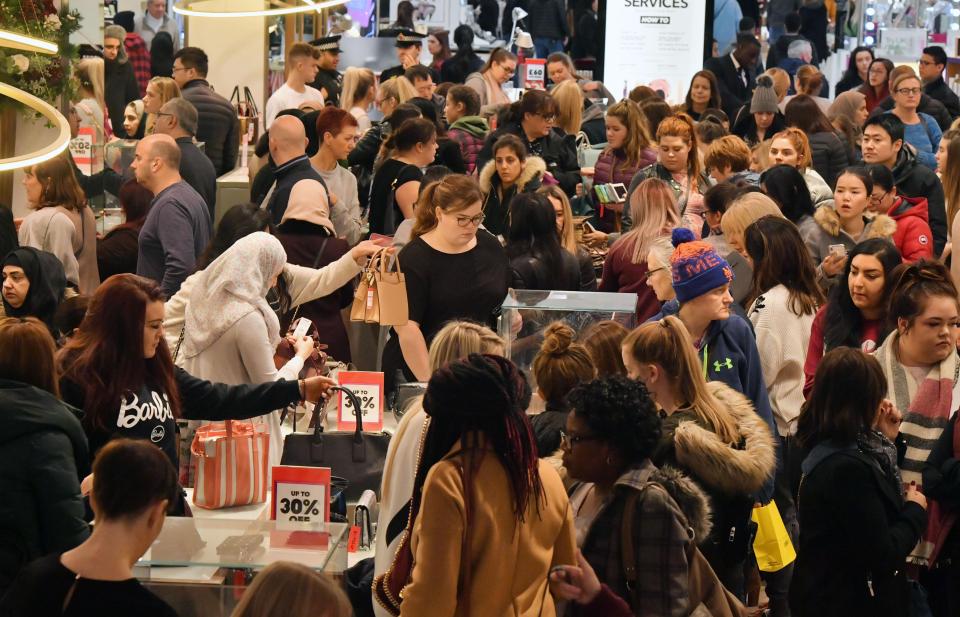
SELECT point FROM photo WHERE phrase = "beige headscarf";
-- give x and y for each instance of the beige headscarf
(231, 287)
(846, 105)
(308, 202)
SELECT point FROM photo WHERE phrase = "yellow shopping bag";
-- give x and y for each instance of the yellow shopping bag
(772, 546)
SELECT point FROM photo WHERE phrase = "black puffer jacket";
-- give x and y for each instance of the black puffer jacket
(217, 124)
(529, 271)
(915, 180)
(829, 154)
(43, 455)
(558, 151)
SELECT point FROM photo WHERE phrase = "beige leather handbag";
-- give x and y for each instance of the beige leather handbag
(381, 296)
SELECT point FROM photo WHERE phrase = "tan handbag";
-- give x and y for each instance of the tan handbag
(381, 296)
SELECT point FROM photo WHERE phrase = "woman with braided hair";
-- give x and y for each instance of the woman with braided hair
(491, 519)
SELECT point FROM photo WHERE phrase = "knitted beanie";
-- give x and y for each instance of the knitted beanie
(764, 97)
(696, 266)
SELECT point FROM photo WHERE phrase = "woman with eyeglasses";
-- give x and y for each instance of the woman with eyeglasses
(612, 432)
(913, 237)
(453, 270)
(512, 172)
(877, 86)
(532, 119)
(490, 79)
(920, 130)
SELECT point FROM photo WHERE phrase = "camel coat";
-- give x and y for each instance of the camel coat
(510, 561)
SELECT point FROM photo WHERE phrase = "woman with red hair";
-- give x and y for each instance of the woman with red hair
(337, 131)
(118, 369)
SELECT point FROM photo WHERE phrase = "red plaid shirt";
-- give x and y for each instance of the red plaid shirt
(140, 59)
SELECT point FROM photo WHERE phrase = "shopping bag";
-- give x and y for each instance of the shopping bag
(772, 545)
(381, 295)
(231, 464)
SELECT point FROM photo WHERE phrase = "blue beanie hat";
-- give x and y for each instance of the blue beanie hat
(696, 266)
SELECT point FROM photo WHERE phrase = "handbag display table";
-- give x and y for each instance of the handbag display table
(201, 565)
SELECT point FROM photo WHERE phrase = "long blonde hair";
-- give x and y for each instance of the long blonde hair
(293, 590)
(357, 83)
(653, 207)
(168, 90)
(951, 175)
(90, 75)
(667, 343)
(570, 104)
(568, 236)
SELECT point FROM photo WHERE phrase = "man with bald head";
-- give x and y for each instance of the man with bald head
(288, 150)
(177, 228)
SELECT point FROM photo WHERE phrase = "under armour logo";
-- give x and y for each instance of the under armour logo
(717, 365)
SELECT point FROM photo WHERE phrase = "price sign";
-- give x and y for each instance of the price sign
(81, 148)
(300, 494)
(368, 386)
(535, 73)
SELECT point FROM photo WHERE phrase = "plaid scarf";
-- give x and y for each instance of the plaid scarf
(926, 411)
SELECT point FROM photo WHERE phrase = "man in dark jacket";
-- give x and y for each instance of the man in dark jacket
(178, 119)
(932, 63)
(548, 26)
(43, 455)
(734, 73)
(409, 46)
(883, 145)
(288, 141)
(217, 126)
(120, 82)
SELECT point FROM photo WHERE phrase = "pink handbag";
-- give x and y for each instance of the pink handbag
(231, 464)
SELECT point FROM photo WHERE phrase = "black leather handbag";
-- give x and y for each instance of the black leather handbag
(356, 456)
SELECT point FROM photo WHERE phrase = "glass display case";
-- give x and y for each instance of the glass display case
(201, 566)
(527, 313)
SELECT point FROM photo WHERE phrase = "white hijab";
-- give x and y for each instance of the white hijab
(234, 285)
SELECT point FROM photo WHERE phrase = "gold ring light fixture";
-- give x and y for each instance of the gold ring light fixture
(31, 44)
(183, 7)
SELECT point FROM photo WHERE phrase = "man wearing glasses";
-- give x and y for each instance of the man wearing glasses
(932, 62)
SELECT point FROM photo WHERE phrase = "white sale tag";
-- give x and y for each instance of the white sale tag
(303, 503)
(369, 395)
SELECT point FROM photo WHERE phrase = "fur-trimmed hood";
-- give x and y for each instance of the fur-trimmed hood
(534, 167)
(691, 499)
(719, 466)
(880, 226)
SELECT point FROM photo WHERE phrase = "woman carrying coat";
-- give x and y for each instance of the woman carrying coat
(857, 525)
(43, 452)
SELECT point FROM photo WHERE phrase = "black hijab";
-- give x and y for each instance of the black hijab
(47, 284)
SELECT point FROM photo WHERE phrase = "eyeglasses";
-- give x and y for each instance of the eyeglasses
(465, 221)
(179, 68)
(507, 69)
(909, 91)
(923, 62)
(875, 199)
(568, 441)
(549, 118)
(655, 270)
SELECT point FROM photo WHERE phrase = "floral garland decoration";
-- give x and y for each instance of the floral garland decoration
(47, 77)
